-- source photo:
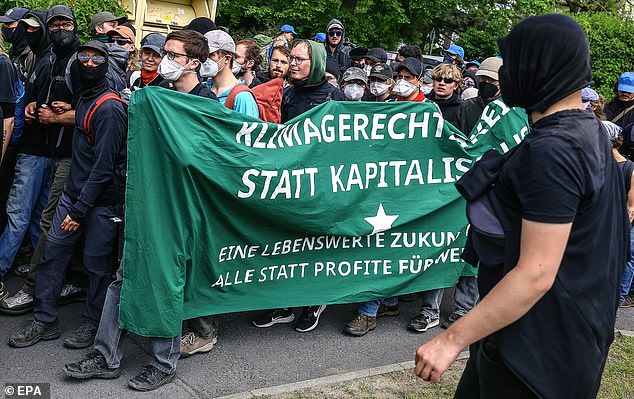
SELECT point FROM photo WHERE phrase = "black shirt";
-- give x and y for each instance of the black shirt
(8, 79)
(202, 91)
(564, 172)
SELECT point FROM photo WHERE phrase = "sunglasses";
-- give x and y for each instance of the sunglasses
(120, 41)
(335, 33)
(447, 80)
(96, 58)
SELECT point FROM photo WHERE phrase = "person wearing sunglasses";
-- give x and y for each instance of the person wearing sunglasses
(447, 80)
(123, 38)
(336, 50)
(85, 208)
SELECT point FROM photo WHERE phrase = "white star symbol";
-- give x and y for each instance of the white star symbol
(381, 221)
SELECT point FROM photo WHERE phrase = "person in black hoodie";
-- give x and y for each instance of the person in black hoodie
(86, 207)
(336, 50)
(446, 79)
(488, 82)
(619, 110)
(13, 32)
(30, 187)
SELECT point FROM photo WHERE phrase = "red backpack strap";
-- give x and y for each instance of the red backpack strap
(237, 89)
(95, 105)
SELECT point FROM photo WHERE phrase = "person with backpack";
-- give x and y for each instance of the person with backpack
(13, 32)
(613, 132)
(222, 55)
(619, 110)
(336, 49)
(86, 207)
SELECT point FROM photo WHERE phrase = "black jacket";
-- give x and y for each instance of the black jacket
(299, 99)
(614, 109)
(99, 156)
(448, 107)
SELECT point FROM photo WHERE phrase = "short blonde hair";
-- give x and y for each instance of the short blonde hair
(445, 70)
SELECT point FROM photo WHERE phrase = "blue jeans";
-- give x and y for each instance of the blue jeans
(28, 197)
(628, 272)
(466, 294)
(109, 339)
(99, 232)
(371, 307)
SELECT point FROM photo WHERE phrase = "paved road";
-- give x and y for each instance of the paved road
(244, 359)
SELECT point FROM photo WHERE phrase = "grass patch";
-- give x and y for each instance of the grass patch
(617, 382)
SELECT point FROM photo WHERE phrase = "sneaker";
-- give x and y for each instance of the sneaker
(22, 270)
(385, 310)
(450, 320)
(150, 378)
(192, 344)
(3, 291)
(274, 316)
(83, 337)
(93, 365)
(72, 293)
(33, 333)
(422, 323)
(360, 325)
(309, 318)
(19, 303)
(628, 302)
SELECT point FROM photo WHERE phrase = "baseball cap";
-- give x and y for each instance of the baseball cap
(123, 31)
(626, 82)
(490, 67)
(454, 49)
(411, 64)
(376, 54)
(95, 45)
(427, 75)
(13, 14)
(354, 73)
(32, 22)
(220, 40)
(381, 71)
(320, 36)
(105, 16)
(335, 26)
(202, 25)
(357, 53)
(287, 28)
(59, 11)
(474, 62)
(153, 41)
(588, 95)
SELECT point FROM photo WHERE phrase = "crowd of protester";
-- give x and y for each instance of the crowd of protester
(62, 176)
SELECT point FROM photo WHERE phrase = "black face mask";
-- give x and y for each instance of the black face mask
(92, 79)
(487, 91)
(7, 34)
(62, 38)
(34, 38)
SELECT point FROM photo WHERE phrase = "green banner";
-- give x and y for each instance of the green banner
(345, 203)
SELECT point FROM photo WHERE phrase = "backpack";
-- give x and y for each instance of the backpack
(85, 126)
(268, 96)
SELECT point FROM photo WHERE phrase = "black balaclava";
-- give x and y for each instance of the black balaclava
(34, 39)
(93, 79)
(539, 71)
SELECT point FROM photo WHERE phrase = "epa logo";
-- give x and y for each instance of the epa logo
(26, 391)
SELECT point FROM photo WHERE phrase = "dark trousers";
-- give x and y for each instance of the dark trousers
(99, 232)
(7, 170)
(486, 376)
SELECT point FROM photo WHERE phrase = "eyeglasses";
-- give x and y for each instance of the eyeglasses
(121, 41)
(96, 58)
(171, 55)
(296, 60)
(62, 25)
(335, 33)
(447, 80)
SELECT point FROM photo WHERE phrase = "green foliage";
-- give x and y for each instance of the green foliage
(611, 41)
(83, 9)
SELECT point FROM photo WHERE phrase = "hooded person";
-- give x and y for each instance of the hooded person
(558, 200)
(21, 55)
(336, 50)
(307, 74)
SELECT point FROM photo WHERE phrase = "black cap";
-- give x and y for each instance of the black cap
(377, 55)
(13, 15)
(357, 52)
(61, 12)
(95, 45)
(333, 69)
(202, 25)
(411, 64)
(381, 71)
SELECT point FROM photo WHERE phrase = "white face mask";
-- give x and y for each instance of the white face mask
(170, 69)
(426, 89)
(353, 91)
(236, 68)
(379, 88)
(209, 69)
(404, 88)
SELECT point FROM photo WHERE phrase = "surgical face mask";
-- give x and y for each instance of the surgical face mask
(236, 68)
(404, 88)
(426, 89)
(379, 88)
(170, 69)
(209, 69)
(353, 91)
